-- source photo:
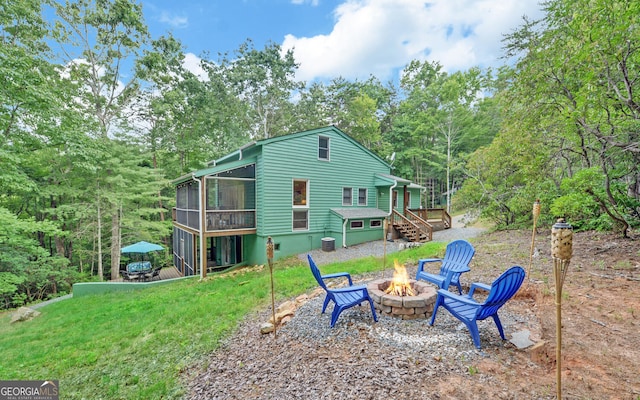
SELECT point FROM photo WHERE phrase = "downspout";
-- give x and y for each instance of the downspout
(395, 183)
(246, 146)
(202, 227)
(344, 233)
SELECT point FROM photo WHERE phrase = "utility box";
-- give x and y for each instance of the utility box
(328, 244)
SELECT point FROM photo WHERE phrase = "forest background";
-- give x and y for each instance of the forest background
(89, 146)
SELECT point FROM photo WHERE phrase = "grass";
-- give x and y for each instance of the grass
(140, 344)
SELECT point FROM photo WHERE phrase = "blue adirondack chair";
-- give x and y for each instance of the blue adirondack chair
(343, 298)
(469, 311)
(456, 261)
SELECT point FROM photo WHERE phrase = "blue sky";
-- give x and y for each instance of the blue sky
(349, 38)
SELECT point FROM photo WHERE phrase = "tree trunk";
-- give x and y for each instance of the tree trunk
(115, 244)
(99, 234)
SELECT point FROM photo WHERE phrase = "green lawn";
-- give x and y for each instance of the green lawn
(137, 344)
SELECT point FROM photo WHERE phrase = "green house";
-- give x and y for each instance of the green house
(307, 190)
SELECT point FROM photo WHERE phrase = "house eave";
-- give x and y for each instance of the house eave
(389, 180)
(357, 213)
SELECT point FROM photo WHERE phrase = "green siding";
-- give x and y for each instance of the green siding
(284, 161)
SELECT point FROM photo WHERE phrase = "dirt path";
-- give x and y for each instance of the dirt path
(600, 315)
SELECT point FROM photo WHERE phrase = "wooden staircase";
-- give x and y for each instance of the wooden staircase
(418, 225)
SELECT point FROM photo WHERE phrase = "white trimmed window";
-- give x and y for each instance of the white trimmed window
(375, 223)
(358, 224)
(300, 220)
(347, 196)
(362, 197)
(300, 193)
(323, 148)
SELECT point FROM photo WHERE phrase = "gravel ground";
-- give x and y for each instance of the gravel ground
(377, 248)
(357, 359)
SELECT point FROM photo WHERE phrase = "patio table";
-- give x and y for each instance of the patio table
(139, 267)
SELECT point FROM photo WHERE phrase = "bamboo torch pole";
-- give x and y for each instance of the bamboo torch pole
(536, 215)
(561, 251)
(273, 300)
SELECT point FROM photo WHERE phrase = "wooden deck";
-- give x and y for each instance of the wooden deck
(165, 273)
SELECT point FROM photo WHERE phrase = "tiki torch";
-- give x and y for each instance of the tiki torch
(536, 215)
(561, 251)
(273, 300)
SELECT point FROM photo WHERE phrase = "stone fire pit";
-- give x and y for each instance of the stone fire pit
(419, 306)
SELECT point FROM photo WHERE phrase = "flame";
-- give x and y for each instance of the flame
(400, 285)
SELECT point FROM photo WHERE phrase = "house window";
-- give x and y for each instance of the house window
(323, 148)
(300, 193)
(347, 196)
(300, 220)
(375, 223)
(408, 200)
(357, 224)
(362, 197)
(395, 199)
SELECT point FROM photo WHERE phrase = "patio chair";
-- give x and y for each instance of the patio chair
(343, 298)
(155, 273)
(469, 311)
(456, 261)
(125, 275)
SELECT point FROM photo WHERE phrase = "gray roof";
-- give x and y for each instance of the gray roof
(394, 178)
(351, 213)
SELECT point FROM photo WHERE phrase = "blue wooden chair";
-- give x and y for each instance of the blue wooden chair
(469, 311)
(456, 261)
(342, 298)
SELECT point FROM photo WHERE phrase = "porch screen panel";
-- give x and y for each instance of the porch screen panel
(183, 250)
(188, 256)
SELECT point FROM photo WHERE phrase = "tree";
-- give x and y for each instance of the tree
(361, 109)
(37, 138)
(107, 34)
(264, 81)
(577, 83)
(438, 115)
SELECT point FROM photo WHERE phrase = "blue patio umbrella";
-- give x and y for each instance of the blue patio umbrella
(141, 247)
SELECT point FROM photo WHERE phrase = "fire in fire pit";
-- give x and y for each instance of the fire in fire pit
(400, 285)
(417, 305)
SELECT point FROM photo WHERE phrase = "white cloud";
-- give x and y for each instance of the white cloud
(175, 21)
(191, 63)
(381, 36)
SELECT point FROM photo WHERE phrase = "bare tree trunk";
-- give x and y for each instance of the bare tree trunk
(115, 243)
(99, 234)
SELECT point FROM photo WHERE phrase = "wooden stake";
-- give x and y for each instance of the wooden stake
(273, 299)
(536, 214)
(384, 246)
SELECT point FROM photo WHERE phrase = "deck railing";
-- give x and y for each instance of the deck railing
(230, 220)
(422, 224)
(216, 220)
(434, 215)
